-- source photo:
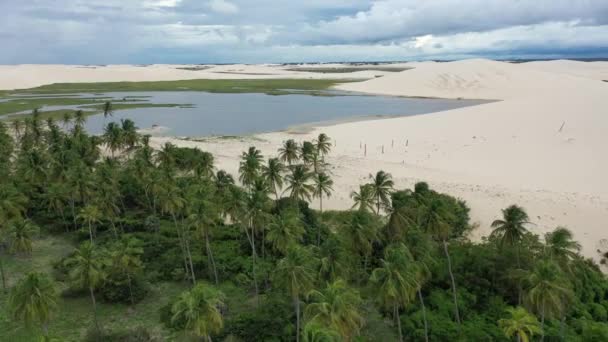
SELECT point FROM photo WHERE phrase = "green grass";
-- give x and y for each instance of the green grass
(20, 105)
(274, 86)
(74, 316)
(121, 106)
(344, 70)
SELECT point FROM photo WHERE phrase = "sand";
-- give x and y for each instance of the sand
(491, 155)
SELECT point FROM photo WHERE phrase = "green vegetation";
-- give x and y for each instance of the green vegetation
(103, 238)
(270, 86)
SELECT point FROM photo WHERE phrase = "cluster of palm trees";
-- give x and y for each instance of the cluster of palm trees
(387, 245)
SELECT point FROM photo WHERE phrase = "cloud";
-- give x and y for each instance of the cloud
(223, 6)
(197, 31)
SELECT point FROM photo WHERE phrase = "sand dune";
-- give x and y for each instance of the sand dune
(541, 145)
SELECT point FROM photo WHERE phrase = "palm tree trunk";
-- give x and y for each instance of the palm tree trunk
(211, 258)
(2, 275)
(94, 310)
(519, 289)
(187, 243)
(378, 206)
(542, 322)
(297, 307)
(91, 232)
(130, 288)
(398, 320)
(253, 259)
(181, 244)
(319, 228)
(447, 255)
(426, 326)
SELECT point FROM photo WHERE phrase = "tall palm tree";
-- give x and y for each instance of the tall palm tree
(66, 120)
(512, 228)
(307, 152)
(396, 281)
(298, 183)
(332, 260)
(12, 206)
(272, 173)
(202, 219)
(520, 323)
(201, 309)
(129, 136)
(126, 258)
(323, 145)
(561, 247)
(337, 307)
(33, 300)
(87, 271)
(107, 109)
(548, 292)
(432, 219)
(113, 137)
(284, 231)
(79, 118)
(322, 185)
(250, 165)
(289, 152)
(90, 215)
(20, 234)
(382, 185)
(296, 276)
(364, 199)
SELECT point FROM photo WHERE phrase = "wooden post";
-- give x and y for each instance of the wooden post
(407, 142)
(360, 145)
(365, 153)
(392, 143)
(382, 149)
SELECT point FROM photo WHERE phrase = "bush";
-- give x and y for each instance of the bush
(139, 334)
(116, 289)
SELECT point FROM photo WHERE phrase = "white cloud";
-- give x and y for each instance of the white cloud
(223, 6)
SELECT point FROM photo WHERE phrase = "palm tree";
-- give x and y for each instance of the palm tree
(17, 128)
(284, 231)
(561, 247)
(201, 219)
(520, 323)
(547, 292)
(332, 260)
(66, 119)
(112, 136)
(433, 220)
(12, 206)
(289, 152)
(200, 309)
(272, 173)
(316, 332)
(396, 281)
(20, 234)
(90, 215)
(126, 258)
(87, 271)
(336, 307)
(382, 185)
(130, 138)
(298, 183)
(296, 276)
(79, 118)
(323, 145)
(249, 168)
(322, 185)
(364, 199)
(33, 300)
(511, 229)
(307, 152)
(107, 109)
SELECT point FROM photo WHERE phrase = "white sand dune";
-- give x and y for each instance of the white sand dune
(491, 155)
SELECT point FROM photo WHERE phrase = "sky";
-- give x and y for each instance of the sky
(280, 31)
